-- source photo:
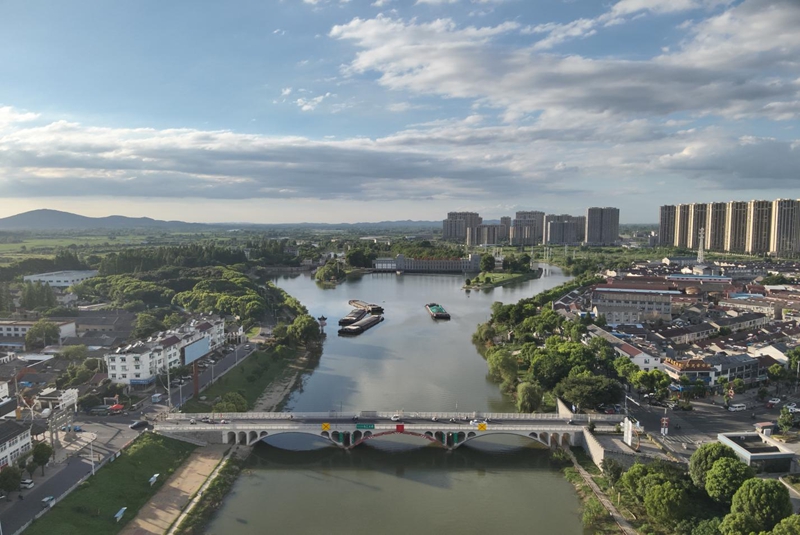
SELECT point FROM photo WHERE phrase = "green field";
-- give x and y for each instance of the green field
(123, 483)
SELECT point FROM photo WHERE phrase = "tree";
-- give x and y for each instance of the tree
(703, 460)
(764, 500)
(788, 526)
(738, 386)
(43, 333)
(785, 420)
(593, 513)
(146, 324)
(612, 469)
(304, 330)
(709, 526)
(42, 452)
(726, 477)
(777, 374)
(667, 502)
(237, 400)
(10, 478)
(487, 263)
(31, 467)
(502, 365)
(583, 391)
(738, 524)
(75, 352)
(529, 397)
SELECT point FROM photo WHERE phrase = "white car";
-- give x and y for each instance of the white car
(794, 410)
(477, 422)
(26, 484)
(791, 406)
(48, 501)
(395, 417)
(774, 401)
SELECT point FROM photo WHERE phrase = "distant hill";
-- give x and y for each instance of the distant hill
(57, 220)
(54, 220)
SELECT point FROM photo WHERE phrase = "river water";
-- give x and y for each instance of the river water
(409, 362)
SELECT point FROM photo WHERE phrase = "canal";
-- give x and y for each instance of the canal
(409, 362)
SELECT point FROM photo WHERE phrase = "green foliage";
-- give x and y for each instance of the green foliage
(304, 330)
(79, 352)
(42, 452)
(613, 470)
(31, 467)
(593, 513)
(502, 365)
(359, 258)
(766, 501)
(703, 460)
(487, 263)
(332, 271)
(666, 503)
(529, 397)
(146, 325)
(738, 386)
(725, 478)
(589, 391)
(43, 333)
(785, 420)
(709, 526)
(788, 526)
(10, 477)
(153, 258)
(63, 260)
(738, 524)
(37, 295)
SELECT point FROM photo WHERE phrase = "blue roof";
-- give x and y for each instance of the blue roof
(631, 291)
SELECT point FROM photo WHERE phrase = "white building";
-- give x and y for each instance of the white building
(15, 440)
(62, 279)
(138, 364)
(12, 332)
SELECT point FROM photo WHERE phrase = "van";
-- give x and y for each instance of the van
(26, 484)
(736, 407)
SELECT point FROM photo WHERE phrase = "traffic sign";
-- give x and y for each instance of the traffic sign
(731, 393)
(400, 428)
(664, 422)
(481, 427)
(326, 427)
(365, 426)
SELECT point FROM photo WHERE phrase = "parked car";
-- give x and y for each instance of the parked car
(791, 406)
(26, 484)
(774, 401)
(247, 346)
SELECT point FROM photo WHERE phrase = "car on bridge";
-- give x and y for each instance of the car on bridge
(395, 418)
(477, 422)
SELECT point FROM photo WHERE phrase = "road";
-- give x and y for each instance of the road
(112, 434)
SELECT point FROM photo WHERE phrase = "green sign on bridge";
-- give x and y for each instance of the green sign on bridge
(365, 426)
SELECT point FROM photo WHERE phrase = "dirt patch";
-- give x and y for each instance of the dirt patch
(279, 391)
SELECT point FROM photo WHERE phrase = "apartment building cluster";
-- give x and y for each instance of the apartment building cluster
(600, 226)
(752, 227)
(139, 363)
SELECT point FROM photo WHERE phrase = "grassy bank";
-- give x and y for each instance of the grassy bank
(249, 378)
(122, 483)
(595, 517)
(493, 280)
(195, 522)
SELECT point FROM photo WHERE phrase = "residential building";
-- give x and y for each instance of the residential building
(12, 332)
(698, 214)
(785, 231)
(736, 227)
(485, 235)
(564, 229)
(711, 369)
(688, 334)
(62, 279)
(621, 305)
(602, 226)
(682, 226)
(666, 226)
(138, 364)
(741, 322)
(759, 226)
(716, 219)
(645, 361)
(15, 440)
(454, 228)
(506, 222)
(527, 228)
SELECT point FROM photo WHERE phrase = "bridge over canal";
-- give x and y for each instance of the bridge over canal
(348, 430)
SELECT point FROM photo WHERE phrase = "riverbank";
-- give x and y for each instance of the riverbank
(122, 483)
(497, 280)
(277, 393)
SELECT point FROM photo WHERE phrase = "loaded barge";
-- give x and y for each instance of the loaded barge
(360, 326)
(372, 309)
(437, 311)
(353, 317)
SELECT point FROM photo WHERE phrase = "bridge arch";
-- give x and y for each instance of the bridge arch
(231, 438)
(252, 437)
(242, 438)
(474, 436)
(263, 434)
(370, 436)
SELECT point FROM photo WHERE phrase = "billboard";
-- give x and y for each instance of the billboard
(196, 350)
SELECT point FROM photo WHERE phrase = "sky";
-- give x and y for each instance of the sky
(280, 111)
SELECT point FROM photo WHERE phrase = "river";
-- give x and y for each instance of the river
(409, 362)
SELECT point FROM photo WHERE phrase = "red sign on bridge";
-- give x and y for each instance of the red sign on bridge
(400, 428)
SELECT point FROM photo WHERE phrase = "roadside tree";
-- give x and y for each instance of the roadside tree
(42, 452)
(766, 501)
(785, 420)
(703, 460)
(666, 503)
(10, 478)
(725, 478)
(529, 397)
(487, 263)
(43, 333)
(788, 526)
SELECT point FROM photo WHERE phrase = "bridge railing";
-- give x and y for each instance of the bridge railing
(335, 415)
(316, 429)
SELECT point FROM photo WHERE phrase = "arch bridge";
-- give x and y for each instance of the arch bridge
(450, 430)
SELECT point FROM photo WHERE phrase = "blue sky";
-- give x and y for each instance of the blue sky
(367, 110)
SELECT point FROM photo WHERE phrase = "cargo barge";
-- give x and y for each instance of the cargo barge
(437, 311)
(372, 309)
(353, 317)
(360, 326)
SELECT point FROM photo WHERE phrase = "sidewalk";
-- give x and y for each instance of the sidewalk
(623, 524)
(160, 513)
(73, 447)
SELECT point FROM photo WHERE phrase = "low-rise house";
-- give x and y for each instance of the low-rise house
(710, 369)
(15, 440)
(741, 322)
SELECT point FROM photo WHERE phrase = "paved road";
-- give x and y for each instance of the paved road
(112, 434)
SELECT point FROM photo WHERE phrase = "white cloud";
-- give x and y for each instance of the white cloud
(381, 3)
(286, 91)
(9, 116)
(310, 104)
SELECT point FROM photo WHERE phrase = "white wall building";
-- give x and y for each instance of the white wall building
(12, 332)
(62, 279)
(15, 440)
(138, 364)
